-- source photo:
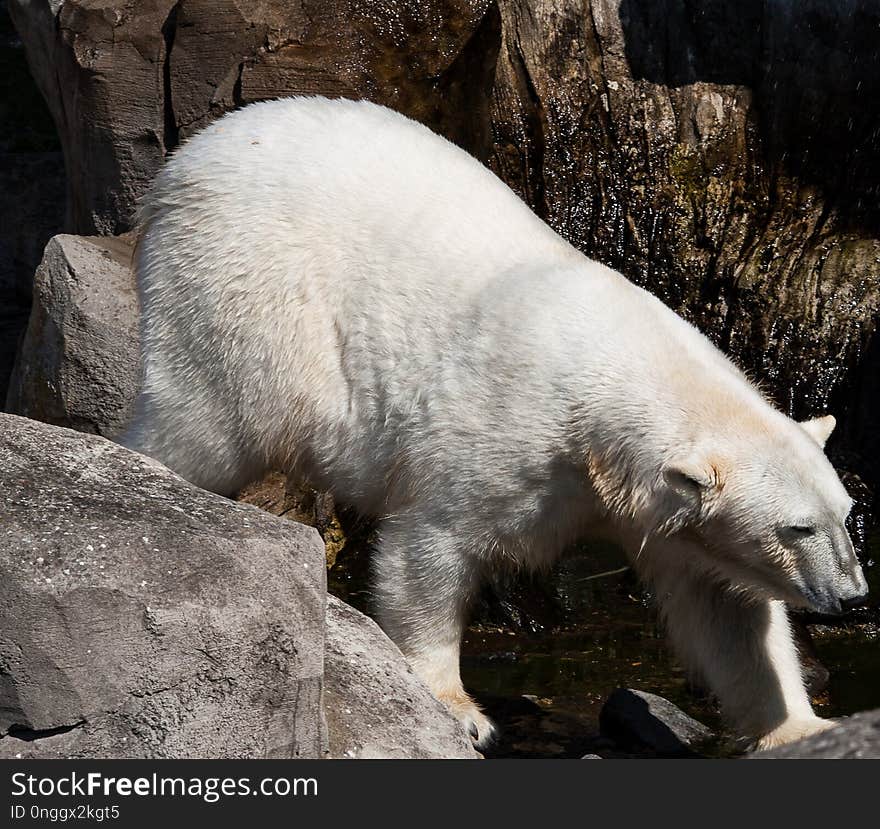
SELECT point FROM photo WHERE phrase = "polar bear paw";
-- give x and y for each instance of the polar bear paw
(792, 730)
(476, 724)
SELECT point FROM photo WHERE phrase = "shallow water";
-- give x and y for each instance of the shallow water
(545, 687)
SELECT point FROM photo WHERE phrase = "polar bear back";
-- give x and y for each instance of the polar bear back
(356, 181)
(303, 260)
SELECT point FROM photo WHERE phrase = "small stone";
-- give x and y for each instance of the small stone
(643, 720)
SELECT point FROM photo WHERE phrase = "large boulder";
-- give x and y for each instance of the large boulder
(376, 707)
(855, 738)
(143, 617)
(79, 362)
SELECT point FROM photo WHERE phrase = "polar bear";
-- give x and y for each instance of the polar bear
(330, 288)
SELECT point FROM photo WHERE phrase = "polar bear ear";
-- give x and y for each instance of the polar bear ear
(819, 428)
(691, 479)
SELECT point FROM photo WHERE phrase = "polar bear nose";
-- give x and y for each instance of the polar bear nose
(854, 602)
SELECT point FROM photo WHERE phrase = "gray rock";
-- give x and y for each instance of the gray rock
(143, 617)
(855, 738)
(374, 704)
(78, 365)
(637, 718)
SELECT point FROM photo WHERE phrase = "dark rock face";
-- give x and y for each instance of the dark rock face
(727, 161)
(143, 617)
(79, 361)
(31, 190)
(638, 719)
(375, 705)
(679, 143)
(855, 738)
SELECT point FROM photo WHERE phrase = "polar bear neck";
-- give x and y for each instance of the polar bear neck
(644, 385)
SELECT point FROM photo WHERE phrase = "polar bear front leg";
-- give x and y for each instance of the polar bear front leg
(424, 584)
(743, 649)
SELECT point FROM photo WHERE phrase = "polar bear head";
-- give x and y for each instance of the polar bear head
(769, 512)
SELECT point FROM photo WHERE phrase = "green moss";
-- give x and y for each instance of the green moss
(687, 170)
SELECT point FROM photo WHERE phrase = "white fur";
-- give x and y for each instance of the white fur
(331, 288)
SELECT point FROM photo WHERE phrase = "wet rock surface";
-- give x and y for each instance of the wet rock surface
(143, 617)
(855, 738)
(641, 719)
(79, 361)
(683, 145)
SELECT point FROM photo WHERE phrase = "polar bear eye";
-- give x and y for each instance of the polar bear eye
(795, 533)
(800, 531)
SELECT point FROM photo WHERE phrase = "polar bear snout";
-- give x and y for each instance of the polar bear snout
(829, 604)
(854, 602)
(854, 592)
(837, 587)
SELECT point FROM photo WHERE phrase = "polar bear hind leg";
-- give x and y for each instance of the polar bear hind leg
(424, 583)
(199, 447)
